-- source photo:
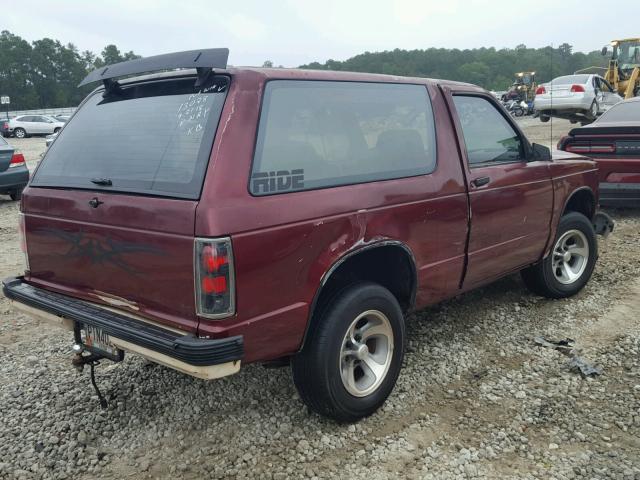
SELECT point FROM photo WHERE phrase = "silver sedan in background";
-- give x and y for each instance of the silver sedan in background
(579, 98)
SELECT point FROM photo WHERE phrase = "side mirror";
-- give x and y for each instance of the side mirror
(604, 51)
(540, 153)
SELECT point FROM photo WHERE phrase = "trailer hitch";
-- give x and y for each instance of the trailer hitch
(79, 361)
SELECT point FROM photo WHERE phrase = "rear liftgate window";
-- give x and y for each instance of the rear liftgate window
(153, 138)
(315, 134)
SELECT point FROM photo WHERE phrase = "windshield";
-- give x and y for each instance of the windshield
(153, 138)
(622, 112)
(628, 54)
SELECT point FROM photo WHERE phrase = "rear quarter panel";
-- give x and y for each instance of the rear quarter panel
(570, 173)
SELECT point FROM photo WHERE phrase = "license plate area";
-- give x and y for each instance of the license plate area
(96, 341)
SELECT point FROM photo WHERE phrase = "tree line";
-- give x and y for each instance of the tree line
(45, 73)
(488, 67)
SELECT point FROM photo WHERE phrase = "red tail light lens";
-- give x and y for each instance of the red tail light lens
(540, 90)
(577, 89)
(16, 160)
(215, 289)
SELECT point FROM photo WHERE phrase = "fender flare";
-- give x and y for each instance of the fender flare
(350, 254)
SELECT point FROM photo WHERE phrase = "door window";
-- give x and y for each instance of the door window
(488, 136)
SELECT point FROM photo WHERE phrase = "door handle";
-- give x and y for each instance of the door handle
(480, 181)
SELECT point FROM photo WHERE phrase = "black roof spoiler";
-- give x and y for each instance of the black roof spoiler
(202, 60)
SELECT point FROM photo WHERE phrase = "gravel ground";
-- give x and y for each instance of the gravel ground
(476, 398)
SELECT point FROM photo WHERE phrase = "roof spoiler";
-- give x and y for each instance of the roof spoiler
(204, 61)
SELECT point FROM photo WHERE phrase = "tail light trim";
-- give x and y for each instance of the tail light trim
(589, 147)
(214, 279)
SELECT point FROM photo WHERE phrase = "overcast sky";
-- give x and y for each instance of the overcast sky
(290, 32)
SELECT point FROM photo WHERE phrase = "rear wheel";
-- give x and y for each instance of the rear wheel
(352, 359)
(56, 130)
(16, 194)
(569, 266)
(544, 118)
(593, 111)
(20, 133)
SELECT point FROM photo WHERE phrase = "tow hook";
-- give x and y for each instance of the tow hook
(603, 224)
(79, 361)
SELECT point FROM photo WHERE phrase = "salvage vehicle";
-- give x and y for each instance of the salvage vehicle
(27, 125)
(613, 141)
(14, 173)
(289, 216)
(579, 98)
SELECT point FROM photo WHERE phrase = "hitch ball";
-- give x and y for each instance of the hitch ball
(77, 348)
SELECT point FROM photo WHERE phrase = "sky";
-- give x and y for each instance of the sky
(291, 33)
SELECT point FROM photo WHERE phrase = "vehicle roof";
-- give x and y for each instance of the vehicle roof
(303, 74)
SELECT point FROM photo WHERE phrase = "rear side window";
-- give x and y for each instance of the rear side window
(153, 138)
(316, 134)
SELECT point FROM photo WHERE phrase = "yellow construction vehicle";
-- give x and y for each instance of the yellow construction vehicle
(624, 66)
(523, 88)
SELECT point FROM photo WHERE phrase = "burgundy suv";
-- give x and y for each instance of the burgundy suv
(212, 216)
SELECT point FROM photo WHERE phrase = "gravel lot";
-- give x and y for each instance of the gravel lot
(477, 398)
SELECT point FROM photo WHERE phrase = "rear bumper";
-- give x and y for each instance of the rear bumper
(620, 194)
(16, 177)
(199, 357)
(562, 103)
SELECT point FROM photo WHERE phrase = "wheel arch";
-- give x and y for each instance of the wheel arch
(581, 200)
(356, 264)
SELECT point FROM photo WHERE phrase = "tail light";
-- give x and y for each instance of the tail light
(16, 160)
(541, 90)
(591, 147)
(577, 89)
(215, 288)
(23, 240)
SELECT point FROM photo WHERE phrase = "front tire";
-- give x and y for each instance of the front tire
(20, 133)
(544, 118)
(352, 357)
(593, 110)
(569, 265)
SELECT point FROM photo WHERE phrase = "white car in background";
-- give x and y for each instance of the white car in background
(579, 98)
(26, 125)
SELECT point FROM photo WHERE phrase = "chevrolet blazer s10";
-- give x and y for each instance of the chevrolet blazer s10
(206, 217)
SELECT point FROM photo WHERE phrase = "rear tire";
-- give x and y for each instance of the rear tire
(569, 265)
(20, 133)
(544, 118)
(16, 194)
(593, 110)
(361, 326)
(56, 130)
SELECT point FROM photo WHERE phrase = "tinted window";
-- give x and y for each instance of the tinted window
(487, 134)
(23, 119)
(152, 138)
(320, 134)
(622, 112)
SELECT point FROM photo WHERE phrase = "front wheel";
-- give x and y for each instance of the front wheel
(593, 111)
(568, 268)
(20, 133)
(544, 118)
(352, 359)
(16, 194)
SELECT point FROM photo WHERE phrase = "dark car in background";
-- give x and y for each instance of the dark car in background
(4, 128)
(613, 141)
(14, 174)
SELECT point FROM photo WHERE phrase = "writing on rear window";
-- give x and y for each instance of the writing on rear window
(278, 181)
